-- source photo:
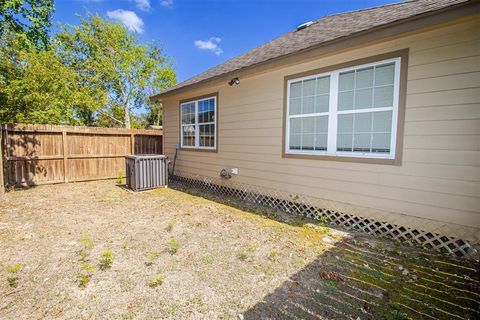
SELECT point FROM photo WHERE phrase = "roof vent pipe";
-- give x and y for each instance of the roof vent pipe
(304, 25)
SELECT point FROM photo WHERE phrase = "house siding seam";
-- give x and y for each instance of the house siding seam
(439, 177)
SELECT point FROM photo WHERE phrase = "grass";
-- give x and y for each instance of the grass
(12, 279)
(243, 256)
(173, 245)
(106, 260)
(170, 225)
(157, 281)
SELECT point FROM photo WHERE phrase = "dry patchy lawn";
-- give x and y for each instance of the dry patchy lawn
(94, 250)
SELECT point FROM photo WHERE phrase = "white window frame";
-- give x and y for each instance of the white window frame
(333, 114)
(196, 124)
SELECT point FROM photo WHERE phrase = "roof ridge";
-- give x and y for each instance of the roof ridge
(366, 9)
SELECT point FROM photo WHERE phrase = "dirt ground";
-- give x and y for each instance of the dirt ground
(94, 250)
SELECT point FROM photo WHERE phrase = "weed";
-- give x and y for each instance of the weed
(150, 257)
(119, 177)
(243, 256)
(87, 242)
(322, 220)
(157, 281)
(106, 260)
(15, 268)
(83, 280)
(207, 259)
(83, 256)
(254, 247)
(12, 281)
(87, 267)
(272, 255)
(173, 245)
(128, 316)
(170, 225)
(332, 286)
(324, 230)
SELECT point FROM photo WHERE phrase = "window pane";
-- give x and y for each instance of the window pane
(344, 142)
(308, 125)
(207, 135)
(321, 124)
(321, 142)
(308, 141)
(295, 141)
(308, 105)
(363, 122)
(188, 113)
(188, 135)
(206, 111)
(371, 132)
(309, 87)
(384, 75)
(361, 142)
(364, 78)
(323, 85)
(346, 81)
(345, 100)
(345, 123)
(296, 89)
(296, 106)
(322, 103)
(296, 125)
(383, 97)
(381, 143)
(363, 98)
(382, 121)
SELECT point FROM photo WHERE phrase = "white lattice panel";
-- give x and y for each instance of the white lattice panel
(307, 206)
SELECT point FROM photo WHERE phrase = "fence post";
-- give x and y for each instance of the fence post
(132, 143)
(2, 183)
(65, 156)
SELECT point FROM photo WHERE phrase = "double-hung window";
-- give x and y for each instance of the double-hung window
(350, 112)
(198, 123)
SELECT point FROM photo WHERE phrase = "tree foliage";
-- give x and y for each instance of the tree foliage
(106, 55)
(29, 20)
(47, 91)
(94, 73)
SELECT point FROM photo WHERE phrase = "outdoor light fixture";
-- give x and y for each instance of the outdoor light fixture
(235, 80)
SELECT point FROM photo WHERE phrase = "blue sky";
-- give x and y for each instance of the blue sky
(199, 34)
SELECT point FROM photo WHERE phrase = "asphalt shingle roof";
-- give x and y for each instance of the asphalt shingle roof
(322, 31)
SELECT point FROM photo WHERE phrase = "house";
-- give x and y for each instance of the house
(370, 118)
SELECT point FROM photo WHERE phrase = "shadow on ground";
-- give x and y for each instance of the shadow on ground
(358, 278)
(366, 278)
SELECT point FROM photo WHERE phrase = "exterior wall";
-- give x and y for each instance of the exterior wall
(437, 185)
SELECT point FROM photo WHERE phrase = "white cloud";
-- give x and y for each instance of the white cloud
(143, 5)
(128, 18)
(211, 44)
(166, 3)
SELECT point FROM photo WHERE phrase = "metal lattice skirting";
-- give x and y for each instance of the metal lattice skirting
(305, 205)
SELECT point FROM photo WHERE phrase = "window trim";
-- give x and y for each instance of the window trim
(395, 157)
(197, 146)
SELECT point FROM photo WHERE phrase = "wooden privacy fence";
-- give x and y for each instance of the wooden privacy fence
(43, 154)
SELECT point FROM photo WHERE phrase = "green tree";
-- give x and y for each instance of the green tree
(24, 26)
(47, 91)
(29, 20)
(106, 55)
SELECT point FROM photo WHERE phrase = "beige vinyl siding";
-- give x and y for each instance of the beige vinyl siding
(439, 177)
